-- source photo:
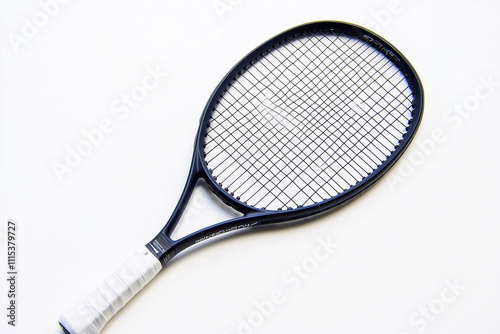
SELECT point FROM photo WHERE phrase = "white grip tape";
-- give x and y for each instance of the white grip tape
(90, 315)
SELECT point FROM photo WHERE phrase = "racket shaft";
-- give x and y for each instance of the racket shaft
(91, 314)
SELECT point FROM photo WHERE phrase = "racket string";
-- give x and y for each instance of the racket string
(307, 121)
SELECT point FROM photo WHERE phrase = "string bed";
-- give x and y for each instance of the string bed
(307, 121)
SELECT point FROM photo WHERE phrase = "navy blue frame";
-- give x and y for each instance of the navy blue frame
(164, 247)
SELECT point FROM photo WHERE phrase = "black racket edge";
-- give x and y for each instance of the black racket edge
(165, 248)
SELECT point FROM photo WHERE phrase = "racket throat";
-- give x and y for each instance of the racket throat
(162, 248)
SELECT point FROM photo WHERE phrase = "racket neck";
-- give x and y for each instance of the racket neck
(162, 246)
(191, 182)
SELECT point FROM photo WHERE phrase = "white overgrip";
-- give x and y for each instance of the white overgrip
(91, 314)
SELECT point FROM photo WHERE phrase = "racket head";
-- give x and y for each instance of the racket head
(316, 31)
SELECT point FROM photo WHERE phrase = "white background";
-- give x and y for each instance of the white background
(434, 218)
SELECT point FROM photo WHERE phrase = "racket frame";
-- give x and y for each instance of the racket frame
(164, 247)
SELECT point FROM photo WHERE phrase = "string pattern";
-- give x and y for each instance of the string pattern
(307, 121)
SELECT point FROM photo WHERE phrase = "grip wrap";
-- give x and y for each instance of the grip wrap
(91, 314)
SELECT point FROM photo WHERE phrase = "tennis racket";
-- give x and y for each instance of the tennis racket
(301, 125)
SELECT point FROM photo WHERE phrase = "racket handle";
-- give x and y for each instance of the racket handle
(91, 314)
